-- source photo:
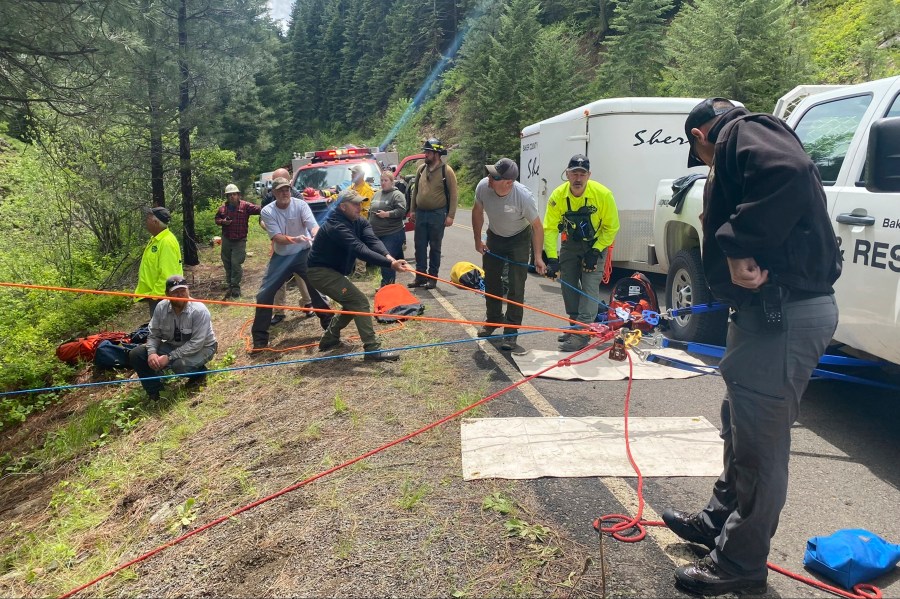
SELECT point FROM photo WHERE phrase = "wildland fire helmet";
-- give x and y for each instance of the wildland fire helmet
(435, 145)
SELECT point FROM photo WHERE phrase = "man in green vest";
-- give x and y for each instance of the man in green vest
(161, 259)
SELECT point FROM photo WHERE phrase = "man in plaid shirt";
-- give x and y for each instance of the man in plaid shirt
(233, 216)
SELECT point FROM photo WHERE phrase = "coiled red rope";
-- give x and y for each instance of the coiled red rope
(628, 529)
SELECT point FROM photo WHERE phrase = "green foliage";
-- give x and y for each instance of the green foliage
(492, 111)
(497, 502)
(555, 82)
(212, 171)
(636, 52)
(749, 51)
(521, 529)
(185, 514)
(32, 324)
(412, 494)
(855, 40)
(205, 227)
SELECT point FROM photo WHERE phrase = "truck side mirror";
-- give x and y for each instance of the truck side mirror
(883, 156)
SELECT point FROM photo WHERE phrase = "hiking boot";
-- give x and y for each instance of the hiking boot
(431, 284)
(417, 283)
(486, 331)
(689, 527)
(327, 344)
(195, 381)
(153, 396)
(706, 578)
(277, 319)
(236, 292)
(258, 345)
(511, 346)
(574, 343)
(310, 313)
(563, 337)
(385, 355)
(508, 343)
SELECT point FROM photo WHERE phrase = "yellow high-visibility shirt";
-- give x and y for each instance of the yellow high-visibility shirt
(366, 191)
(161, 260)
(605, 220)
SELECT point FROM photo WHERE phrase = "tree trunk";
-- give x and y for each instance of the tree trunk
(189, 245)
(157, 188)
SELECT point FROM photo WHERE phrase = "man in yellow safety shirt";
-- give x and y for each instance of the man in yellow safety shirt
(161, 259)
(584, 214)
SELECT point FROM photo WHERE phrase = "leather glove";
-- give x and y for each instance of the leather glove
(589, 262)
(552, 268)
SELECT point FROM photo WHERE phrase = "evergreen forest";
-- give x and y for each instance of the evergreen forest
(108, 106)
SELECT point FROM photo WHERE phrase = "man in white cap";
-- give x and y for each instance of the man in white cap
(181, 339)
(362, 187)
(234, 217)
(291, 227)
(514, 227)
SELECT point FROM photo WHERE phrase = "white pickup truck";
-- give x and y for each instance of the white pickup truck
(853, 136)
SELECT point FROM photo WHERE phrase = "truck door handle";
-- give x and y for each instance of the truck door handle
(856, 219)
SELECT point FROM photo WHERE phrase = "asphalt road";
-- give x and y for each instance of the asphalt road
(845, 462)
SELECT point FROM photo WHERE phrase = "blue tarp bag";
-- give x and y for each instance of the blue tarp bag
(113, 355)
(851, 556)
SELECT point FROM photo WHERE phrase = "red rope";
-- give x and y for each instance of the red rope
(601, 339)
(620, 523)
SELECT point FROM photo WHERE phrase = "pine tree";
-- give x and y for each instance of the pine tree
(558, 80)
(748, 51)
(497, 82)
(636, 50)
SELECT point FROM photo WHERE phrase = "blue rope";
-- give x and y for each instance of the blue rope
(255, 366)
(600, 303)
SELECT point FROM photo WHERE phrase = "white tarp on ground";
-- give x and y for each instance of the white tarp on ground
(602, 368)
(522, 448)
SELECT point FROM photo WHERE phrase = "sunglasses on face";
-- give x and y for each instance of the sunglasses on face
(496, 177)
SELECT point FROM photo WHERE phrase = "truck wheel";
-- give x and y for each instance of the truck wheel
(685, 287)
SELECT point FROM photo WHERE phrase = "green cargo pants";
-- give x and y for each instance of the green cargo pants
(339, 288)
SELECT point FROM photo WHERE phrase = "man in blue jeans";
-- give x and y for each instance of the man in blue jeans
(181, 339)
(291, 227)
(432, 209)
(769, 251)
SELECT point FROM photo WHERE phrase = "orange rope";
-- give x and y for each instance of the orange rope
(586, 331)
(607, 266)
(502, 299)
(248, 340)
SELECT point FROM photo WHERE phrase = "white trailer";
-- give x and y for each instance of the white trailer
(631, 143)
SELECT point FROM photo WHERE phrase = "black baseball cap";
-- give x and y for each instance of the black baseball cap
(160, 213)
(579, 162)
(701, 114)
(503, 169)
(176, 282)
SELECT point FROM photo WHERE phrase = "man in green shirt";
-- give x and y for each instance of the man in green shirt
(432, 209)
(583, 213)
(161, 259)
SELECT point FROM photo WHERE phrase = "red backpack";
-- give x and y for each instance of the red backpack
(633, 294)
(84, 348)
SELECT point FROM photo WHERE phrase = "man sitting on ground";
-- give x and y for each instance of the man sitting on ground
(181, 339)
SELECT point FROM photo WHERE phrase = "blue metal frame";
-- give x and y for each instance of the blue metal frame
(717, 351)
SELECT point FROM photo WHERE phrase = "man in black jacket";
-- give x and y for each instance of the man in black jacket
(342, 239)
(769, 251)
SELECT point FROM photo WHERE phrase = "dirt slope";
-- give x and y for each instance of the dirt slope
(402, 523)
